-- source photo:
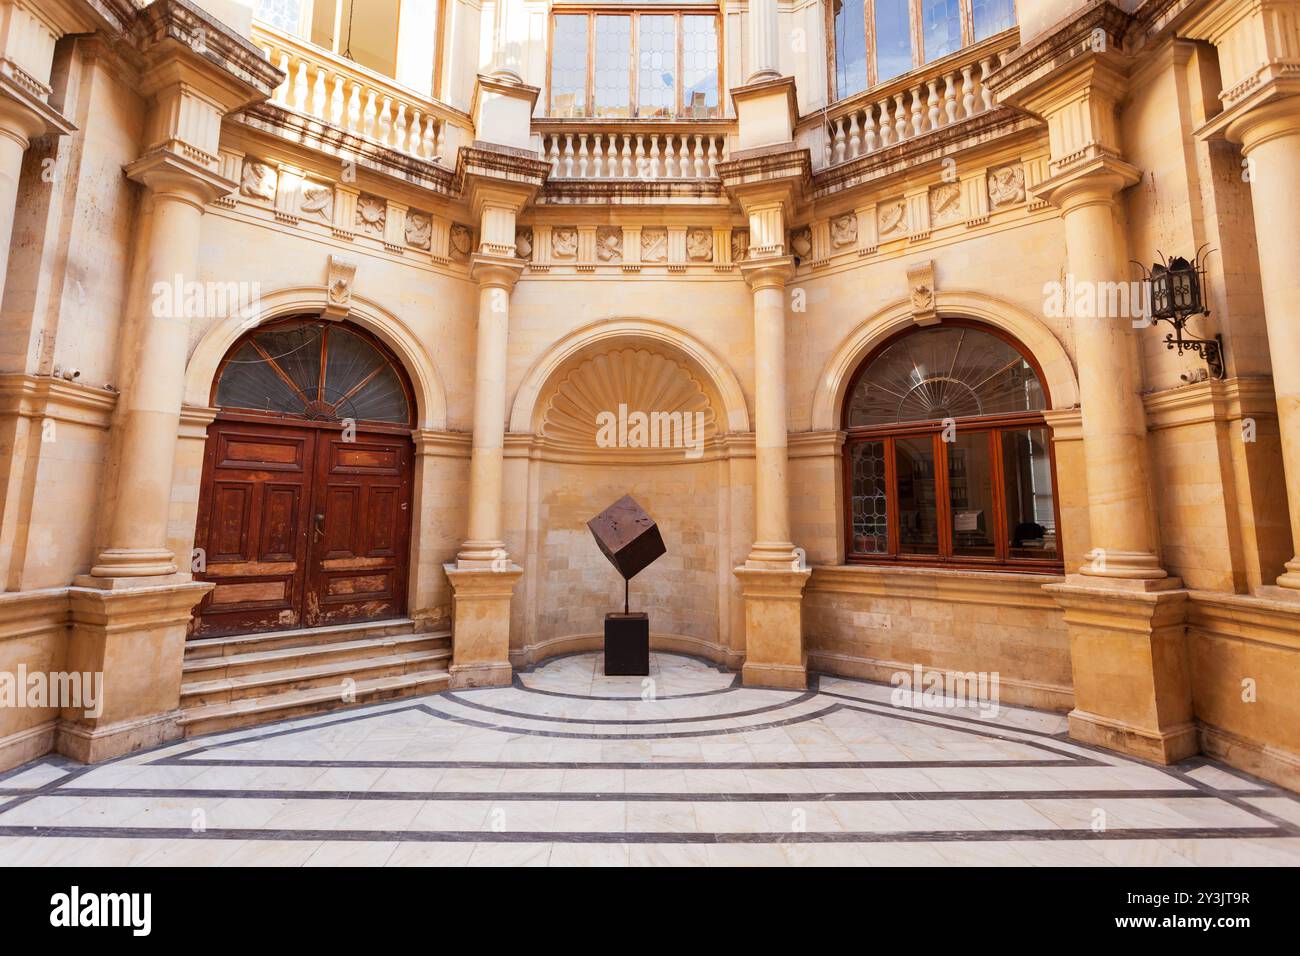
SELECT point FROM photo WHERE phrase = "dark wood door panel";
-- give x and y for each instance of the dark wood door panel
(253, 514)
(358, 561)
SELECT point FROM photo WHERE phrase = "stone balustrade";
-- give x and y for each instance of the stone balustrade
(912, 106)
(633, 151)
(351, 97)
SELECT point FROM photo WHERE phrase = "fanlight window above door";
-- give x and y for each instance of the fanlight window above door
(318, 371)
(944, 372)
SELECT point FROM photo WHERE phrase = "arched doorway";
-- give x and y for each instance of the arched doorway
(304, 515)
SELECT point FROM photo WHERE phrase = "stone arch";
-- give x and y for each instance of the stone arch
(530, 406)
(430, 392)
(1028, 330)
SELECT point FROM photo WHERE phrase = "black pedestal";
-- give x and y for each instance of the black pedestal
(627, 645)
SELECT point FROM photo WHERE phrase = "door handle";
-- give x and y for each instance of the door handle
(318, 530)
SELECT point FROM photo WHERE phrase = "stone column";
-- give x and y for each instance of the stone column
(483, 578)
(1270, 142)
(1120, 509)
(484, 546)
(150, 407)
(773, 576)
(764, 31)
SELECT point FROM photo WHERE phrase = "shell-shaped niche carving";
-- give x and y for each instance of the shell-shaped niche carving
(629, 399)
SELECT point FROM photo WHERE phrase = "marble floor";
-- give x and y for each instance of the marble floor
(569, 767)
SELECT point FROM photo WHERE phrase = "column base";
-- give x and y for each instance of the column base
(93, 744)
(1287, 585)
(1124, 565)
(134, 563)
(133, 638)
(480, 625)
(774, 654)
(773, 556)
(483, 556)
(1128, 654)
(1166, 746)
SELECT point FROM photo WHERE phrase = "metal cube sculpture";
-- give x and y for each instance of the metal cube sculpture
(628, 537)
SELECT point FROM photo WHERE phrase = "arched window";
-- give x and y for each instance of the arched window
(315, 370)
(948, 459)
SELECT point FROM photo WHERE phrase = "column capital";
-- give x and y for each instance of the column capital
(24, 116)
(1258, 42)
(1099, 180)
(176, 175)
(772, 272)
(495, 272)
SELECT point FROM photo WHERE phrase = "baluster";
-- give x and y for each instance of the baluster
(967, 91)
(654, 156)
(933, 103)
(640, 155)
(435, 132)
(986, 68)
(319, 91)
(415, 145)
(684, 157)
(354, 109)
(399, 128)
(282, 90)
(582, 155)
(670, 157)
(598, 156)
(918, 114)
(855, 136)
(386, 121)
(300, 90)
(886, 129)
(699, 157)
(554, 154)
(839, 143)
(900, 117)
(368, 119)
(869, 135)
(337, 101)
(568, 155)
(950, 98)
(712, 161)
(627, 156)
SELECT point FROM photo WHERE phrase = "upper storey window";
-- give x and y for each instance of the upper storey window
(364, 31)
(878, 40)
(658, 64)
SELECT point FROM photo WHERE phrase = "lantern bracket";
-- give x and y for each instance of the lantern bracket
(1175, 294)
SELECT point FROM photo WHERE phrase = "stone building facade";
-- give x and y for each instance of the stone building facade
(324, 332)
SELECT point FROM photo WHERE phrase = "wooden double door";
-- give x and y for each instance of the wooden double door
(301, 525)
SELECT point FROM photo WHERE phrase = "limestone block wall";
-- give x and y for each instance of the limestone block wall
(1245, 664)
(34, 627)
(873, 622)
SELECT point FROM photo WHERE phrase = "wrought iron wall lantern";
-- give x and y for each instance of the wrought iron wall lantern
(1176, 289)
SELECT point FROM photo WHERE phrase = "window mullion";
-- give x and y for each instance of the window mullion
(893, 544)
(942, 500)
(967, 23)
(918, 35)
(998, 491)
(677, 80)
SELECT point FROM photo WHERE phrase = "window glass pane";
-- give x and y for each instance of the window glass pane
(970, 492)
(918, 522)
(893, 39)
(850, 47)
(944, 372)
(612, 88)
(569, 66)
(1027, 477)
(657, 79)
(281, 14)
(992, 16)
(700, 66)
(867, 477)
(941, 25)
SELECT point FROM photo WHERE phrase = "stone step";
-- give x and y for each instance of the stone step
(200, 693)
(312, 654)
(273, 640)
(251, 711)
